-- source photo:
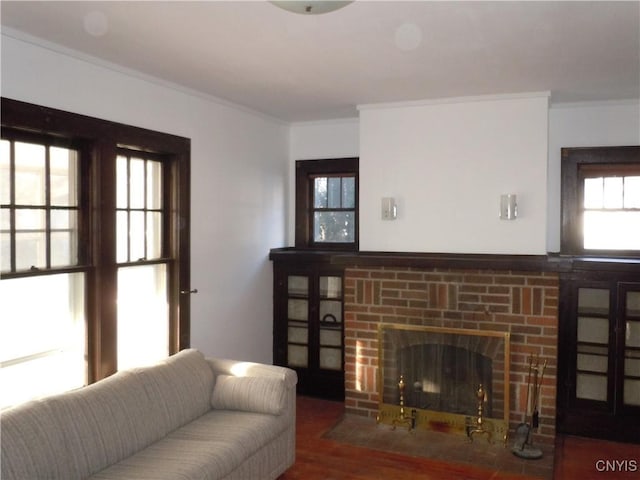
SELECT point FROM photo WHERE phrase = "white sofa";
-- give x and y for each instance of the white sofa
(188, 417)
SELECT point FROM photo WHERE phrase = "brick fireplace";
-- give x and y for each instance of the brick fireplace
(524, 303)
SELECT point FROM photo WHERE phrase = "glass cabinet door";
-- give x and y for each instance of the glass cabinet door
(303, 326)
(308, 329)
(592, 362)
(631, 387)
(298, 320)
(330, 322)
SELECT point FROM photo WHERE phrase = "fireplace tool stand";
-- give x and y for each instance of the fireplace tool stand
(481, 397)
(523, 446)
(403, 418)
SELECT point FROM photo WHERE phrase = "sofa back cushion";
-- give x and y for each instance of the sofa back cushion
(78, 433)
(179, 389)
(33, 445)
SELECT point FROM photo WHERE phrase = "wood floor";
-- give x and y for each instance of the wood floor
(318, 458)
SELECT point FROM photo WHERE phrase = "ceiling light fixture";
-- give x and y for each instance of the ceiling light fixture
(310, 7)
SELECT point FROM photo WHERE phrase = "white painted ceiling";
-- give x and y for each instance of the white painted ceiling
(312, 67)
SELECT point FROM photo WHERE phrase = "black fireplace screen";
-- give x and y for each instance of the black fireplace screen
(442, 369)
(444, 378)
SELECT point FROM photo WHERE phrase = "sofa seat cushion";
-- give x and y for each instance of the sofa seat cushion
(210, 447)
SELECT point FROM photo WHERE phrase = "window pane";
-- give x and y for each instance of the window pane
(593, 363)
(298, 335)
(5, 252)
(154, 235)
(122, 182)
(330, 338)
(122, 235)
(632, 335)
(612, 230)
(348, 192)
(143, 315)
(331, 358)
(297, 356)
(633, 304)
(331, 312)
(31, 250)
(154, 185)
(297, 309)
(5, 180)
(594, 300)
(297, 285)
(334, 227)
(591, 387)
(593, 330)
(632, 366)
(30, 219)
(330, 287)
(64, 237)
(593, 193)
(136, 236)
(5, 240)
(334, 193)
(30, 174)
(44, 352)
(320, 192)
(632, 192)
(632, 392)
(136, 183)
(63, 168)
(613, 192)
(31, 238)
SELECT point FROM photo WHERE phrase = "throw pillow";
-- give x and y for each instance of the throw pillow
(250, 394)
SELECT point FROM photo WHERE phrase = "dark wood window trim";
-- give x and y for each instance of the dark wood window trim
(101, 140)
(576, 164)
(306, 170)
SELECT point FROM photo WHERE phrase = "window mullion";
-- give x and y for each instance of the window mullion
(128, 210)
(12, 204)
(47, 206)
(144, 208)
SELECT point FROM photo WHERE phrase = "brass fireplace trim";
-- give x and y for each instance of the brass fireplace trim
(437, 420)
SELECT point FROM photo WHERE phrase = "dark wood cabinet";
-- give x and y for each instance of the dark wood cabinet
(308, 325)
(599, 355)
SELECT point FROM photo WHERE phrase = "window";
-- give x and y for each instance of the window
(601, 201)
(42, 331)
(327, 204)
(94, 249)
(142, 269)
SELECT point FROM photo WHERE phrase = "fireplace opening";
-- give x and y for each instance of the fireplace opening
(433, 376)
(445, 378)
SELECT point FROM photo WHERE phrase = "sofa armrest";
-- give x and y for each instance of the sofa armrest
(252, 369)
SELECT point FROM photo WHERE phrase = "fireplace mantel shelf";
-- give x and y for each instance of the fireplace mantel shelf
(499, 262)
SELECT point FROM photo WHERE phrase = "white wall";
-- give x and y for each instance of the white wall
(447, 163)
(570, 125)
(317, 140)
(239, 164)
(585, 125)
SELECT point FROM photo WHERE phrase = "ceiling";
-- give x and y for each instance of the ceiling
(312, 67)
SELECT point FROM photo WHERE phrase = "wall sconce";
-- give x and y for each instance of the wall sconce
(389, 208)
(508, 206)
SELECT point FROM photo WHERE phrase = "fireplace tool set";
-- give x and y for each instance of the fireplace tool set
(523, 445)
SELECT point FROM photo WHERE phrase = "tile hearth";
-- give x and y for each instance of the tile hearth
(445, 447)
